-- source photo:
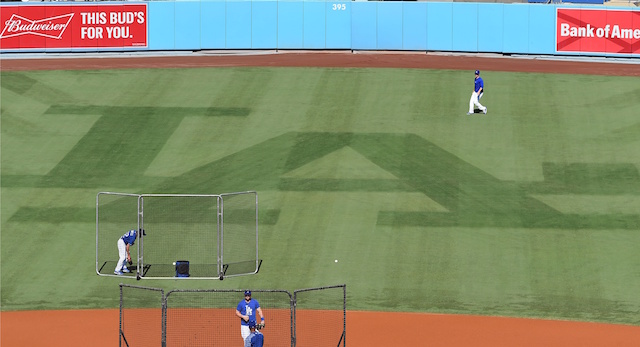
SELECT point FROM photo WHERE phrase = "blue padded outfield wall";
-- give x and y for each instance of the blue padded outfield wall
(375, 25)
(358, 25)
(522, 28)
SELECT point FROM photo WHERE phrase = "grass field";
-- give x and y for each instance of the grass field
(531, 210)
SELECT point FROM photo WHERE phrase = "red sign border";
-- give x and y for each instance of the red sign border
(599, 53)
(85, 48)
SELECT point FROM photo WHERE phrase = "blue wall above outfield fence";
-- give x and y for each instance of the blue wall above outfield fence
(597, 2)
(516, 28)
(378, 25)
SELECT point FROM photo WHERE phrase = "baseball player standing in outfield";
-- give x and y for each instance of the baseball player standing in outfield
(255, 338)
(246, 311)
(124, 243)
(478, 90)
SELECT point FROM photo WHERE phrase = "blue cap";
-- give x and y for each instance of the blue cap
(477, 72)
(252, 323)
(247, 292)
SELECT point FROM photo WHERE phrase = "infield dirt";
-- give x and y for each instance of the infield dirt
(99, 328)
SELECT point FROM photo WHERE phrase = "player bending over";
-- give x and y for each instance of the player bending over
(124, 244)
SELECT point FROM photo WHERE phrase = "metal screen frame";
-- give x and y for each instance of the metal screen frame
(213, 292)
(98, 225)
(221, 235)
(140, 261)
(343, 338)
(292, 302)
(163, 323)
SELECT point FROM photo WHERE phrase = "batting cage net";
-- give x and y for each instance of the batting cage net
(208, 317)
(311, 317)
(179, 235)
(141, 316)
(179, 228)
(320, 316)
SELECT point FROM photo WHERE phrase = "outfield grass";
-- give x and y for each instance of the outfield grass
(531, 210)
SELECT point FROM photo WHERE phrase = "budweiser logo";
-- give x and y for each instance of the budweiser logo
(52, 27)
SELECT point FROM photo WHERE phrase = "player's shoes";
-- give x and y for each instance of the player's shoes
(119, 273)
(125, 270)
(469, 113)
(485, 111)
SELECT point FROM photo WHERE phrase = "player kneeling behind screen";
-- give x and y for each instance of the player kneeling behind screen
(255, 338)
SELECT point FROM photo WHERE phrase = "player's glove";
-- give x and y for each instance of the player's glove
(129, 262)
(260, 326)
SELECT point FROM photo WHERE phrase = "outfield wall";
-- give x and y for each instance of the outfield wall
(295, 24)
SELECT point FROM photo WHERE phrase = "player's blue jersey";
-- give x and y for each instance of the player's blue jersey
(248, 309)
(255, 339)
(479, 83)
(129, 237)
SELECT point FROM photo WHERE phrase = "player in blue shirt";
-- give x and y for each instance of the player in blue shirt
(246, 311)
(124, 243)
(478, 90)
(255, 338)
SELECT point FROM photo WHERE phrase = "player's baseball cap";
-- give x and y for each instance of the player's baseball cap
(477, 72)
(247, 293)
(252, 323)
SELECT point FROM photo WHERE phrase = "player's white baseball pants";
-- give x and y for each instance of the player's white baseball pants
(122, 251)
(244, 331)
(474, 101)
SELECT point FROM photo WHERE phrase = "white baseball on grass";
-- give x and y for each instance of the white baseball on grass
(336, 260)
(174, 263)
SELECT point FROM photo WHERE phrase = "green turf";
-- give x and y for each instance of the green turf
(531, 210)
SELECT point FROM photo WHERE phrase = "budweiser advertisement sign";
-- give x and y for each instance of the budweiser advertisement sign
(597, 31)
(73, 26)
